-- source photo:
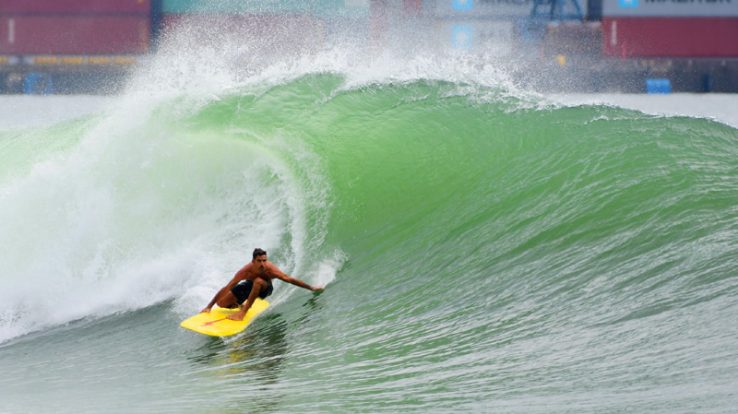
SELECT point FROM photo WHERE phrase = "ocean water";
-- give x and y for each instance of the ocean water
(485, 248)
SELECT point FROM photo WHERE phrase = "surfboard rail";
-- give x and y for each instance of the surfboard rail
(216, 322)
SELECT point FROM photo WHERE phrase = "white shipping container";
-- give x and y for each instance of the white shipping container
(670, 8)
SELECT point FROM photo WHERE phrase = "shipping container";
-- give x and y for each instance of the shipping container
(670, 8)
(505, 9)
(676, 37)
(56, 7)
(124, 34)
(253, 7)
(499, 10)
(80, 60)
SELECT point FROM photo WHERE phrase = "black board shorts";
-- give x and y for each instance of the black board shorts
(243, 288)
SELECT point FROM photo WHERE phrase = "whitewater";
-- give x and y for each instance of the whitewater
(485, 248)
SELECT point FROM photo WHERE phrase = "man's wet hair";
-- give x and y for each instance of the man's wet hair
(259, 252)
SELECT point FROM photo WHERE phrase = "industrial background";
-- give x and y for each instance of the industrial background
(652, 46)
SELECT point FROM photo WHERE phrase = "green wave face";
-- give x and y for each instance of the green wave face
(457, 198)
(493, 235)
(484, 251)
(462, 180)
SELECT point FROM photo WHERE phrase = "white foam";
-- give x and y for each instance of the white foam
(134, 215)
(719, 107)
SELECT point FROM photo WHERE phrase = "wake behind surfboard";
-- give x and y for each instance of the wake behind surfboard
(215, 323)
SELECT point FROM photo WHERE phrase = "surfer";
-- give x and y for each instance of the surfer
(252, 280)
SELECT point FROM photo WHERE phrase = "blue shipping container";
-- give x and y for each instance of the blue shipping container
(658, 86)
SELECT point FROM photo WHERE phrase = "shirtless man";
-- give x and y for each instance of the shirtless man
(254, 279)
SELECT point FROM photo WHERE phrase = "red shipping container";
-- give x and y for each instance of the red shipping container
(28, 35)
(75, 6)
(708, 37)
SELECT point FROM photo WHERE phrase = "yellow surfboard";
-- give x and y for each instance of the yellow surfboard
(215, 323)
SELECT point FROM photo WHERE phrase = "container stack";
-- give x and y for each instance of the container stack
(281, 26)
(46, 41)
(670, 29)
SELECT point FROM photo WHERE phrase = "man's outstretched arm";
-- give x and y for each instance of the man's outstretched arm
(295, 281)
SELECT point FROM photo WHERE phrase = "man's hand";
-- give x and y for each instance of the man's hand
(205, 310)
(238, 316)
